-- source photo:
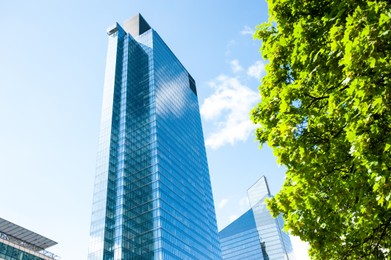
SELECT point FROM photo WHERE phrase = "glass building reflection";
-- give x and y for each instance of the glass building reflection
(152, 194)
(256, 235)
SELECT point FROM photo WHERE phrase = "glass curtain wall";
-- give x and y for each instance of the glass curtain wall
(274, 241)
(152, 197)
(123, 206)
(256, 234)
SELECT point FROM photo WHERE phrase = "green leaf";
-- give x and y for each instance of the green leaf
(334, 57)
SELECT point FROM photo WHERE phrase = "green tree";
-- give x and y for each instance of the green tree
(326, 112)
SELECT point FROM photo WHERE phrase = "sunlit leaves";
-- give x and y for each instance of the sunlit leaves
(326, 112)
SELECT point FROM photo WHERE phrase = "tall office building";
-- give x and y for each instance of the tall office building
(152, 197)
(256, 234)
(19, 243)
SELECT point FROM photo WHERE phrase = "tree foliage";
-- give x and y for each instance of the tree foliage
(326, 112)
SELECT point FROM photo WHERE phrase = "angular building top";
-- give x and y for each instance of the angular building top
(258, 192)
(136, 25)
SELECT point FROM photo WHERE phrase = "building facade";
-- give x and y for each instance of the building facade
(256, 234)
(18, 243)
(152, 194)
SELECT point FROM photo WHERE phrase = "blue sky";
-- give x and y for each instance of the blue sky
(52, 60)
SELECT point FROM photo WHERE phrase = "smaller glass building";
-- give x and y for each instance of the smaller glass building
(256, 234)
(18, 243)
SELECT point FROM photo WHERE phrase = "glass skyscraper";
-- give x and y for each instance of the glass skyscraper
(256, 235)
(152, 194)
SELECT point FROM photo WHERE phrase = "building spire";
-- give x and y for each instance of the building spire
(136, 25)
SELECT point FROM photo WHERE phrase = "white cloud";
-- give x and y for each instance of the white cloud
(233, 218)
(229, 106)
(256, 70)
(247, 31)
(228, 49)
(222, 203)
(243, 202)
(235, 66)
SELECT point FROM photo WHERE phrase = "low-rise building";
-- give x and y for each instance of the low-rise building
(18, 243)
